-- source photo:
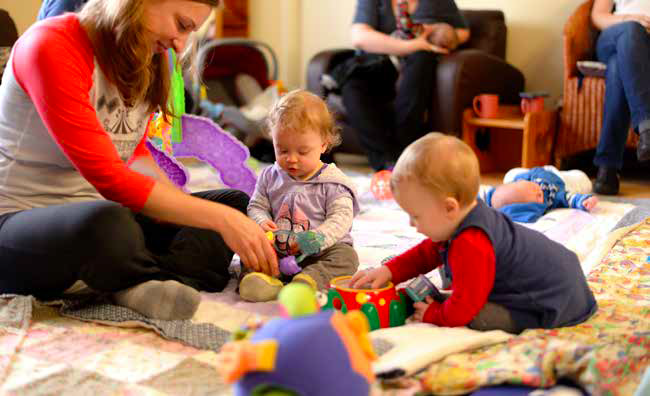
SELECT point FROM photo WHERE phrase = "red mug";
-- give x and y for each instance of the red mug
(486, 105)
(532, 105)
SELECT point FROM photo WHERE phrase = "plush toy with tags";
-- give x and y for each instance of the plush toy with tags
(307, 353)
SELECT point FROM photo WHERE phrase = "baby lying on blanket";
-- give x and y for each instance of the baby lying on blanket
(527, 194)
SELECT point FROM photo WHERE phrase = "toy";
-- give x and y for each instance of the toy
(421, 287)
(207, 142)
(310, 353)
(384, 307)
(380, 185)
(203, 140)
(309, 243)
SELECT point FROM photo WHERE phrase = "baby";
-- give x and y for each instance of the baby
(300, 193)
(529, 193)
(504, 275)
(444, 35)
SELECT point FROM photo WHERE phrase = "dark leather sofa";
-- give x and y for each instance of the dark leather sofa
(478, 66)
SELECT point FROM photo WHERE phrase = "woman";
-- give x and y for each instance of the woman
(624, 45)
(74, 105)
(388, 119)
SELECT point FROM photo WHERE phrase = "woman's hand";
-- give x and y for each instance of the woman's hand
(249, 241)
(377, 278)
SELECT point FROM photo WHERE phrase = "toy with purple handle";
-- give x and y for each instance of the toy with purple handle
(174, 170)
(206, 141)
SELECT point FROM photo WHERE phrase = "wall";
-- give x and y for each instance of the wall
(298, 29)
(23, 12)
(534, 38)
(277, 23)
(534, 34)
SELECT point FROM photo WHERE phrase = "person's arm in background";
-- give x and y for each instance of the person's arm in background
(450, 14)
(602, 16)
(365, 37)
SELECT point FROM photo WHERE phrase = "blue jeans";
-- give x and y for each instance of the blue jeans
(625, 48)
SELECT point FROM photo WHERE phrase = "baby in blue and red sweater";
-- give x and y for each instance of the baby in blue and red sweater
(504, 275)
(527, 194)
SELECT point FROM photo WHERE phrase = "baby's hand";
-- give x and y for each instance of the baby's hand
(421, 307)
(590, 203)
(268, 225)
(377, 278)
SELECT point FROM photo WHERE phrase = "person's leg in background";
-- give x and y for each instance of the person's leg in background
(616, 116)
(625, 48)
(414, 96)
(368, 100)
(633, 56)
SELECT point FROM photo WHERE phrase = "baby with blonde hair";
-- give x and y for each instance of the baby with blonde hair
(301, 193)
(503, 275)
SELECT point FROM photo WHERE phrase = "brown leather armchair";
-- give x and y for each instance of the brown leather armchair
(478, 66)
(582, 112)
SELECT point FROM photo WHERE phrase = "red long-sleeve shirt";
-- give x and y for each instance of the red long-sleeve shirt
(472, 261)
(55, 88)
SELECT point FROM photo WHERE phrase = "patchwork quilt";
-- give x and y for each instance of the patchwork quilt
(98, 349)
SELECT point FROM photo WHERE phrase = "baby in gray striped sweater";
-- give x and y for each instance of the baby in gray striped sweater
(300, 193)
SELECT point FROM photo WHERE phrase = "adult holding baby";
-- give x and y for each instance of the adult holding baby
(387, 117)
(81, 197)
(624, 45)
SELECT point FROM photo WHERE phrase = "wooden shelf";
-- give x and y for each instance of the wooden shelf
(510, 117)
(497, 150)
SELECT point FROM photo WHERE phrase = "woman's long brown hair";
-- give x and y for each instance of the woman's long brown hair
(117, 34)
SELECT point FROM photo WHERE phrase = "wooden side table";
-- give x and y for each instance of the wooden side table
(500, 147)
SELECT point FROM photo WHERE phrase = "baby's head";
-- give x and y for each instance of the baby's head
(521, 191)
(302, 128)
(436, 181)
(444, 35)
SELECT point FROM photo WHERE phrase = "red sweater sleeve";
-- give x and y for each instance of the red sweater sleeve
(472, 261)
(420, 259)
(141, 150)
(53, 63)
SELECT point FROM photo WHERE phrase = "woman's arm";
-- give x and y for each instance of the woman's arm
(602, 16)
(370, 40)
(240, 233)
